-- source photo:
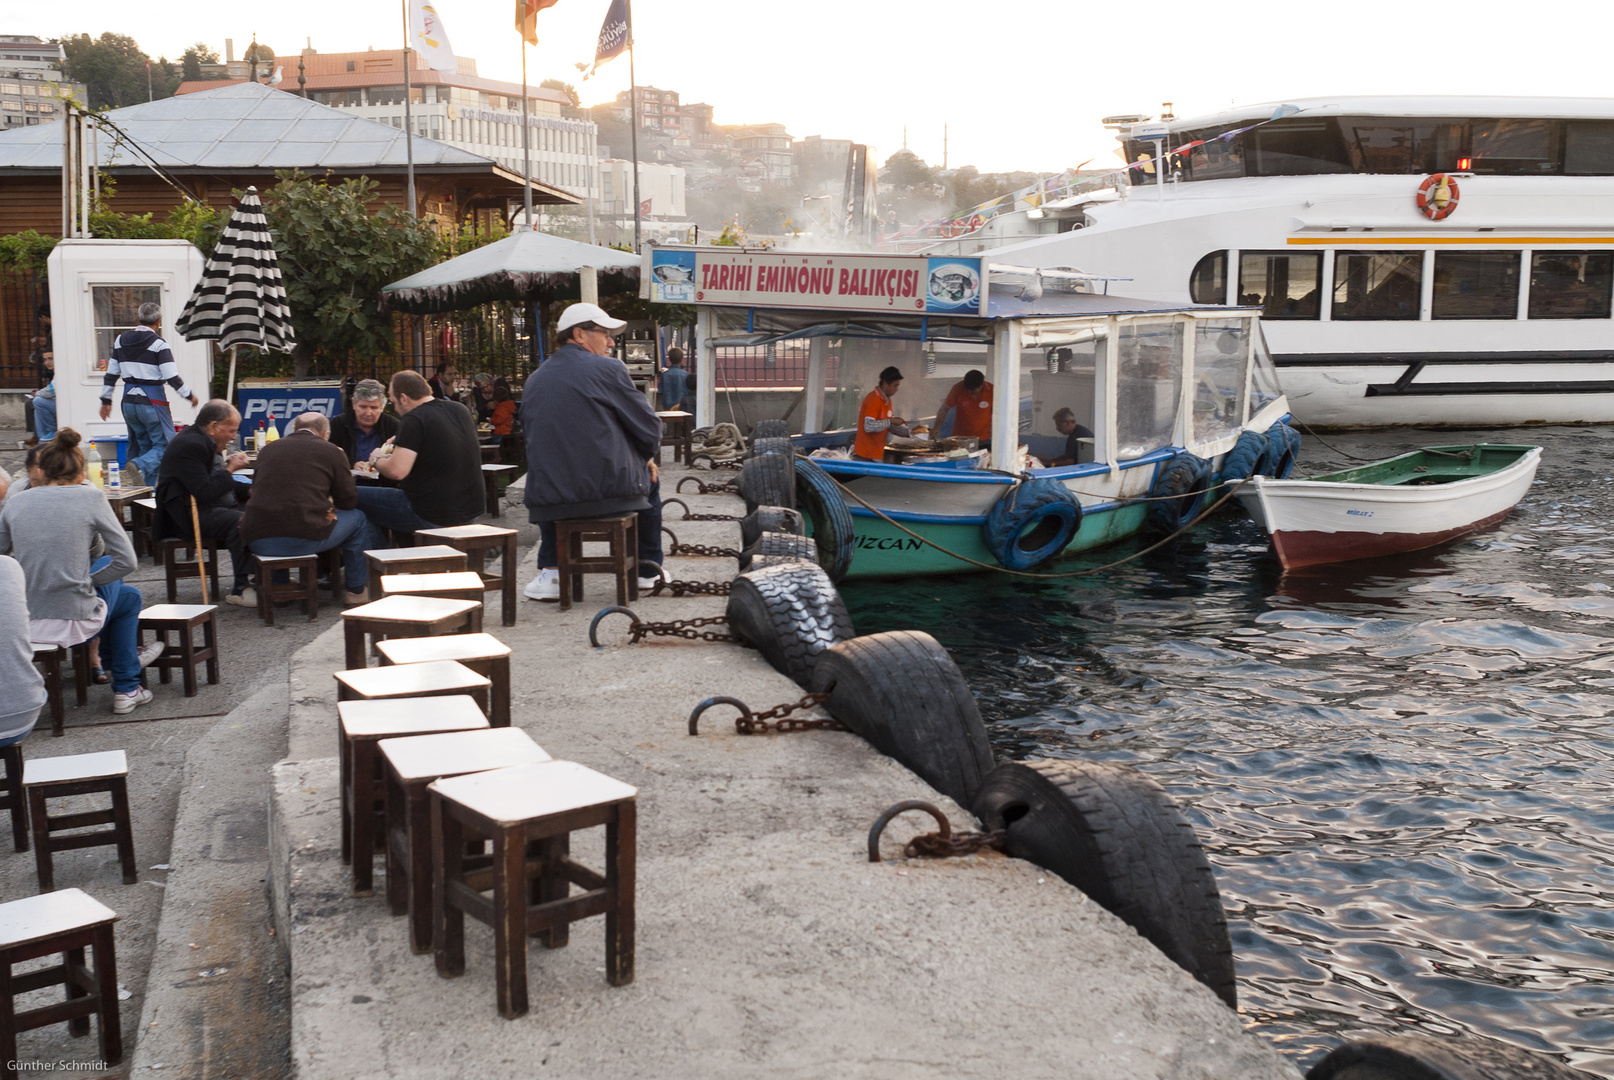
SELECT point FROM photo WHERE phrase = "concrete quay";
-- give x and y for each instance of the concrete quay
(767, 944)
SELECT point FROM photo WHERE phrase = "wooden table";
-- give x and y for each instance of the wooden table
(403, 616)
(120, 498)
(490, 487)
(678, 431)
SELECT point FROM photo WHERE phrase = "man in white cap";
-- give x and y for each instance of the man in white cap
(592, 444)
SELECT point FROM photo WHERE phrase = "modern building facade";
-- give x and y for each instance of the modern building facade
(32, 89)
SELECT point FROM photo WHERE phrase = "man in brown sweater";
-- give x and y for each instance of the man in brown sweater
(304, 501)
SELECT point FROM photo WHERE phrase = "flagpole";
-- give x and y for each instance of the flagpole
(409, 122)
(633, 106)
(526, 139)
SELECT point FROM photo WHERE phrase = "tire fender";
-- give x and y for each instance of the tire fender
(1247, 458)
(791, 612)
(1419, 1057)
(769, 479)
(1283, 449)
(787, 545)
(1179, 490)
(770, 429)
(769, 519)
(1032, 523)
(824, 507)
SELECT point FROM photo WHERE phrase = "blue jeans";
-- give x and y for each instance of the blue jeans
(150, 428)
(120, 634)
(649, 536)
(349, 533)
(45, 418)
(388, 508)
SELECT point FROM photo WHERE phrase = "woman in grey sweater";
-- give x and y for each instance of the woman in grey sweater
(49, 530)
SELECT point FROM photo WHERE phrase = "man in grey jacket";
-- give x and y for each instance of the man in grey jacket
(592, 444)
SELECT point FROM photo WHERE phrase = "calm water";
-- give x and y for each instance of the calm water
(1402, 773)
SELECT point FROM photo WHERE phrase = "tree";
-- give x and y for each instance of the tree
(113, 68)
(194, 57)
(564, 87)
(905, 169)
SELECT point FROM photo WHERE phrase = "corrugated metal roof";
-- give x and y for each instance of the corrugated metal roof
(237, 127)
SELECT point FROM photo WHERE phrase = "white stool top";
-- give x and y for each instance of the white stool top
(177, 611)
(422, 609)
(150, 504)
(496, 467)
(34, 918)
(525, 792)
(427, 757)
(418, 583)
(410, 680)
(434, 551)
(50, 647)
(57, 770)
(460, 532)
(387, 717)
(415, 650)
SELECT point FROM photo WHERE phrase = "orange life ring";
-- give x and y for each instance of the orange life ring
(1437, 196)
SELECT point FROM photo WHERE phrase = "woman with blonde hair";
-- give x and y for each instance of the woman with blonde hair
(49, 529)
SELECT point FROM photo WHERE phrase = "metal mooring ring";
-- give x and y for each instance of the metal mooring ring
(629, 612)
(662, 581)
(672, 534)
(943, 826)
(668, 502)
(700, 487)
(694, 717)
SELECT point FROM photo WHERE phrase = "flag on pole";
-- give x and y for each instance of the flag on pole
(527, 17)
(430, 36)
(613, 36)
(644, 208)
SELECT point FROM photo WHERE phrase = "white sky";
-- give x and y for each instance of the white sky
(1019, 86)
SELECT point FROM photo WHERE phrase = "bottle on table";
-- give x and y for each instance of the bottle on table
(94, 471)
(272, 434)
(114, 478)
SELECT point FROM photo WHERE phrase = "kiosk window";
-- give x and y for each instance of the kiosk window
(1570, 284)
(1282, 286)
(1377, 284)
(1479, 285)
(115, 307)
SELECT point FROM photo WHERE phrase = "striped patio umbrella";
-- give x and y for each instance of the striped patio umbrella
(240, 299)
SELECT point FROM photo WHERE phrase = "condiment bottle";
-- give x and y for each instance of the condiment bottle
(95, 473)
(272, 434)
(114, 479)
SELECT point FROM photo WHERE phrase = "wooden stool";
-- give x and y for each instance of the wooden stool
(621, 533)
(482, 653)
(49, 657)
(305, 588)
(142, 515)
(459, 585)
(677, 431)
(14, 798)
(186, 654)
(477, 541)
(430, 559)
(545, 803)
(360, 725)
(410, 765)
(176, 566)
(81, 774)
(332, 569)
(404, 616)
(67, 922)
(490, 487)
(435, 678)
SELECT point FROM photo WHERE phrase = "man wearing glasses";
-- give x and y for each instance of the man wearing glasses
(592, 444)
(435, 460)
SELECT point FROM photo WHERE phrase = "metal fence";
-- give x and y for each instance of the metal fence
(21, 293)
(776, 365)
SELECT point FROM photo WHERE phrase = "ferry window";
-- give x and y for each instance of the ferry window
(1297, 148)
(1282, 286)
(1570, 284)
(1377, 284)
(1589, 148)
(1477, 285)
(1421, 146)
(1149, 369)
(1220, 347)
(1208, 282)
(1514, 147)
(1215, 159)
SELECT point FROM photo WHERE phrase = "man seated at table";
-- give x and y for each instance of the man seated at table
(193, 467)
(436, 461)
(1065, 423)
(361, 430)
(304, 501)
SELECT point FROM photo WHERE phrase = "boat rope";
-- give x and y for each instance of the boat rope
(1464, 454)
(1049, 577)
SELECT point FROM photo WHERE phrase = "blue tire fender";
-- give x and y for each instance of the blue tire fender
(1283, 449)
(1178, 493)
(1247, 458)
(1032, 523)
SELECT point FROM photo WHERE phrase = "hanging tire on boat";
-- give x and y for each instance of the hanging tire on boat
(1116, 835)
(771, 444)
(1179, 494)
(791, 613)
(1247, 458)
(1283, 449)
(1419, 1057)
(822, 505)
(769, 519)
(768, 479)
(770, 429)
(902, 692)
(1033, 521)
(779, 545)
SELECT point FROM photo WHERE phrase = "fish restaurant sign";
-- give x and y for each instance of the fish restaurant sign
(873, 283)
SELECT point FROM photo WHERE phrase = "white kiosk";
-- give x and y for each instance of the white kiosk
(96, 286)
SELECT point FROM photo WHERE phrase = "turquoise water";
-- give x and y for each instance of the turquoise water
(1402, 771)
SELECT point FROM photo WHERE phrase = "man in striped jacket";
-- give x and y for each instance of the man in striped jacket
(145, 363)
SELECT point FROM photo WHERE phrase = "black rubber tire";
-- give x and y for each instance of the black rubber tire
(771, 445)
(1116, 835)
(1033, 522)
(1283, 450)
(787, 545)
(1180, 485)
(791, 613)
(770, 429)
(768, 480)
(902, 692)
(1419, 1057)
(823, 505)
(1247, 458)
(770, 519)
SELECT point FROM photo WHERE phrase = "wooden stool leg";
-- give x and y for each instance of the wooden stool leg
(81, 673)
(362, 814)
(507, 568)
(510, 920)
(419, 900)
(353, 640)
(165, 672)
(552, 884)
(53, 693)
(630, 544)
(106, 977)
(266, 605)
(15, 796)
(309, 576)
(187, 656)
(499, 675)
(397, 821)
(120, 820)
(627, 587)
(344, 756)
(621, 838)
(210, 642)
(41, 825)
(8, 1023)
(448, 921)
(74, 967)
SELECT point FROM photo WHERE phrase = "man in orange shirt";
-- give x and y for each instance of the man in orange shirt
(874, 419)
(973, 399)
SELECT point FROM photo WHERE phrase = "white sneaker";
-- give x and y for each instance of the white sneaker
(546, 586)
(127, 703)
(247, 597)
(646, 583)
(150, 653)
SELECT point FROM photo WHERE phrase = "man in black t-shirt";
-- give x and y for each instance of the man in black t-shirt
(434, 458)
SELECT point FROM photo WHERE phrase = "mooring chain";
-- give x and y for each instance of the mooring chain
(703, 488)
(683, 628)
(774, 720)
(703, 550)
(941, 844)
(696, 517)
(718, 463)
(692, 588)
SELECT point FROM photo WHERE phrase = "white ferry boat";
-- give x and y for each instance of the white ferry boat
(1422, 261)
